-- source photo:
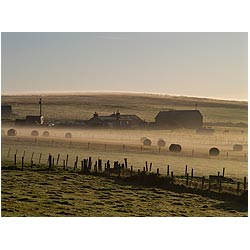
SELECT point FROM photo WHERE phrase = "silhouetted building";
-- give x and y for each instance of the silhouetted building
(179, 119)
(30, 120)
(6, 110)
(115, 120)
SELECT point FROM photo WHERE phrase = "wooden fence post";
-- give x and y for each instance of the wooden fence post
(57, 160)
(63, 164)
(53, 161)
(14, 159)
(31, 164)
(223, 172)
(76, 161)
(67, 158)
(186, 170)
(209, 184)
(126, 162)
(168, 170)
(150, 166)
(172, 174)
(90, 163)
(245, 183)
(50, 160)
(157, 171)
(131, 170)
(22, 162)
(100, 165)
(192, 173)
(32, 156)
(146, 167)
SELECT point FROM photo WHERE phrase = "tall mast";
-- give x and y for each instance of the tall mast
(40, 103)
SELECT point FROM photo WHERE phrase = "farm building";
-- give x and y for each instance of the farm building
(30, 120)
(6, 110)
(179, 119)
(115, 120)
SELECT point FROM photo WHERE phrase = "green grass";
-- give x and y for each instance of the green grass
(30, 193)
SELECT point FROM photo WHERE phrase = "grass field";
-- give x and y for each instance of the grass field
(68, 194)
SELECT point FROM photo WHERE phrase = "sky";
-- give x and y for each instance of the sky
(191, 64)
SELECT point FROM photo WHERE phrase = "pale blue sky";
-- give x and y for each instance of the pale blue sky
(192, 64)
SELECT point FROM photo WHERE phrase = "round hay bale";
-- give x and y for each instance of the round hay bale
(237, 147)
(175, 148)
(11, 132)
(214, 151)
(161, 143)
(46, 133)
(145, 141)
(2, 132)
(34, 133)
(68, 135)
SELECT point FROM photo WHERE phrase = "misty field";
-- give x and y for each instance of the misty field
(32, 193)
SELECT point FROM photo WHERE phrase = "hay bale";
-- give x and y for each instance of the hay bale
(11, 132)
(145, 141)
(2, 132)
(161, 143)
(175, 148)
(34, 133)
(237, 147)
(46, 133)
(214, 151)
(68, 135)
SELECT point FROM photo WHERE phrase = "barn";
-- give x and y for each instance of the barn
(191, 119)
(30, 120)
(6, 110)
(115, 120)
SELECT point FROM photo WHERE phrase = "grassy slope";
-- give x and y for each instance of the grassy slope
(145, 105)
(69, 194)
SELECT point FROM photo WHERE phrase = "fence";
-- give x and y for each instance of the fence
(128, 148)
(213, 183)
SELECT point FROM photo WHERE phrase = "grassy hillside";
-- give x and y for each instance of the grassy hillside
(82, 106)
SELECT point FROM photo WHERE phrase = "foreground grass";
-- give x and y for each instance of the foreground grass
(55, 193)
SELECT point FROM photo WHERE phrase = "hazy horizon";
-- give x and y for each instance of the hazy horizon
(112, 92)
(203, 65)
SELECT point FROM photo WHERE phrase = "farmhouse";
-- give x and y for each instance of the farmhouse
(30, 120)
(6, 110)
(115, 120)
(179, 119)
